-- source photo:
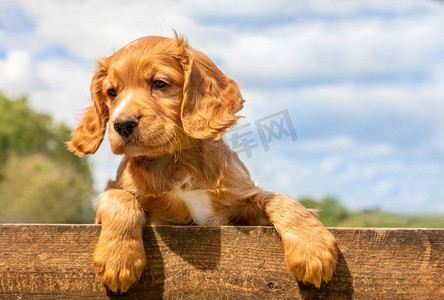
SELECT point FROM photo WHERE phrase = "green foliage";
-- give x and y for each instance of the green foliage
(40, 181)
(332, 213)
(24, 131)
(378, 218)
(37, 189)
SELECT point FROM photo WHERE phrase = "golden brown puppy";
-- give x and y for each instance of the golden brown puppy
(167, 106)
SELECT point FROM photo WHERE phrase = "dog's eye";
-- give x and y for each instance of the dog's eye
(112, 92)
(159, 84)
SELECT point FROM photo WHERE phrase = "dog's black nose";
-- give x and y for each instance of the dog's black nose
(125, 126)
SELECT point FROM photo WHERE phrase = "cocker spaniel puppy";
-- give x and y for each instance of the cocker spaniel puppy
(168, 106)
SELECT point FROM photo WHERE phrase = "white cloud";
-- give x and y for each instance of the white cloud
(346, 49)
(384, 188)
(92, 29)
(17, 72)
(301, 49)
(324, 10)
(64, 89)
(391, 184)
(340, 143)
(331, 164)
(57, 86)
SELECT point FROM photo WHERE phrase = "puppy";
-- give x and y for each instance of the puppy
(167, 107)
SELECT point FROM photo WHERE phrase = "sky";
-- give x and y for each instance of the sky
(343, 98)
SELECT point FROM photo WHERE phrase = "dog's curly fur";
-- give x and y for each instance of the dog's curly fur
(176, 168)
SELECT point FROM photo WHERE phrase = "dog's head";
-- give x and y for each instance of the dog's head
(157, 94)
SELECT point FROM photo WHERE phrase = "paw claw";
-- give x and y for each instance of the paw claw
(119, 269)
(311, 260)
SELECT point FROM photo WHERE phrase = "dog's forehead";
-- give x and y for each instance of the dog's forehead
(143, 49)
(143, 58)
(146, 42)
(149, 45)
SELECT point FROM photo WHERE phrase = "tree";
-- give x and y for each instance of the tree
(38, 189)
(330, 211)
(40, 181)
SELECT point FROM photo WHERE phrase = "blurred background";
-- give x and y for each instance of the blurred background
(344, 100)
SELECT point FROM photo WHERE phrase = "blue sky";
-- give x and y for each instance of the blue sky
(362, 81)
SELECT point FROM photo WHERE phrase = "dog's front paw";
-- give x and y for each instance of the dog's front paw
(311, 258)
(119, 262)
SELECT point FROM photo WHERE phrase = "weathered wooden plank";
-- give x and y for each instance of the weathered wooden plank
(54, 262)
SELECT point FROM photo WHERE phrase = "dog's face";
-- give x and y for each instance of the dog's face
(142, 91)
(157, 95)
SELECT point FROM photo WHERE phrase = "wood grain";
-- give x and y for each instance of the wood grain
(54, 262)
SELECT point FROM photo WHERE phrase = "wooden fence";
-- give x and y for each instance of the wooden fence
(54, 262)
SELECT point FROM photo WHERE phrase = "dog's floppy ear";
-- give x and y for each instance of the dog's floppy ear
(88, 135)
(210, 99)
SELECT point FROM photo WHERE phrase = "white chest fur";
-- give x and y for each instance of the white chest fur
(199, 204)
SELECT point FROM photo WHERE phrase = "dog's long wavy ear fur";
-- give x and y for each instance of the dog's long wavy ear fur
(88, 135)
(210, 99)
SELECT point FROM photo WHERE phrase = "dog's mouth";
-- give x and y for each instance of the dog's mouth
(154, 144)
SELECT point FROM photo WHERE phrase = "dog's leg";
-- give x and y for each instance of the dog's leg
(119, 257)
(310, 249)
